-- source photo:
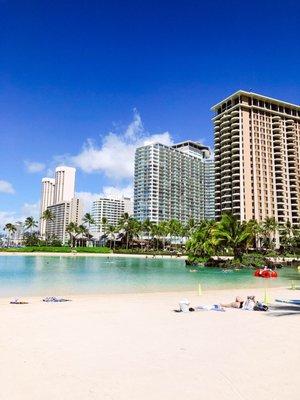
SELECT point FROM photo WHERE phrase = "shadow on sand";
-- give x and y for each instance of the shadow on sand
(283, 310)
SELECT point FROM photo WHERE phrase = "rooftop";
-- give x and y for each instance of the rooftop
(252, 94)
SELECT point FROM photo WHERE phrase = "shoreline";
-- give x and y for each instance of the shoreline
(257, 291)
(103, 255)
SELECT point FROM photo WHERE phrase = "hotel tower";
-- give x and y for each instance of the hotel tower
(58, 196)
(47, 199)
(257, 158)
(174, 182)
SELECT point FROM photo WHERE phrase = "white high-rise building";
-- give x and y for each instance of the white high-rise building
(64, 213)
(64, 184)
(111, 209)
(174, 182)
(47, 199)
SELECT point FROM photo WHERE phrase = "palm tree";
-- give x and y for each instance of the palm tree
(89, 220)
(230, 233)
(104, 223)
(202, 242)
(175, 228)
(146, 228)
(47, 216)
(30, 223)
(155, 234)
(110, 231)
(269, 229)
(10, 228)
(72, 230)
(287, 236)
(163, 228)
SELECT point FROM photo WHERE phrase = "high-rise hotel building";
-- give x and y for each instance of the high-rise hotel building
(47, 199)
(257, 158)
(174, 182)
(110, 209)
(58, 196)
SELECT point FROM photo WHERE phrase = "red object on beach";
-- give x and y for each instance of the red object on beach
(265, 273)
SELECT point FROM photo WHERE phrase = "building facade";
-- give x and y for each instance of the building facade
(174, 182)
(47, 199)
(64, 213)
(64, 184)
(111, 209)
(257, 158)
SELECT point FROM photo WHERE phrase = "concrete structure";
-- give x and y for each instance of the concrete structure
(111, 209)
(64, 213)
(47, 199)
(257, 157)
(64, 184)
(174, 182)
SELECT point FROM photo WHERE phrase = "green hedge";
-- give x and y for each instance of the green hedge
(49, 249)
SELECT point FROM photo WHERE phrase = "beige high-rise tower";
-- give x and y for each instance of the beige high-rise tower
(47, 199)
(257, 158)
(64, 184)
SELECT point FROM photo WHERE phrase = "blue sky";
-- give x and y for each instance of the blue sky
(85, 82)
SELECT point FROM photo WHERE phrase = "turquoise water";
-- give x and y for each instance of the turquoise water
(40, 275)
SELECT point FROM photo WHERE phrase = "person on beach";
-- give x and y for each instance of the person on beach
(238, 303)
(249, 304)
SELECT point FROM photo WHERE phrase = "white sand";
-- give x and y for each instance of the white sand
(134, 347)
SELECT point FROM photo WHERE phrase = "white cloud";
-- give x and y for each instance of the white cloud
(6, 187)
(30, 210)
(107, 191)
(115, 156)
(33, 166)
(27, 210)
(6, 217)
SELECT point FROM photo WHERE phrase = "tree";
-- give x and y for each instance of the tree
(10, 228)
(146, 228)
(47, 216)
(269, 229)
(72, 230)
(30, 223)
(232, 234)
(110, 231)
(163, 229)
(104, 223)
(89, 220)
(202, 242)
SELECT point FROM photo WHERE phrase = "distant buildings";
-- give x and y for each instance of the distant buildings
(257, 158)
(111, 209)
(58, 197)
(174, 182)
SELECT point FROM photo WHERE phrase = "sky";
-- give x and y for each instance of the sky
(83, 83)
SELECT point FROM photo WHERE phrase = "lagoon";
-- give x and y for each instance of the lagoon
(69, 275)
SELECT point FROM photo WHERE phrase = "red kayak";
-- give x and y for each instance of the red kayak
(266, 273)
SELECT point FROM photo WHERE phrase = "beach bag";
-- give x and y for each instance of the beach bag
(260, 307)
(248, 305)
(184, 305)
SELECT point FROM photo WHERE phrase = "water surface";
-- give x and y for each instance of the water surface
(61, 275)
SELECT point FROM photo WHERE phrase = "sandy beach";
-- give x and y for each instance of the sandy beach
(133, 346)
